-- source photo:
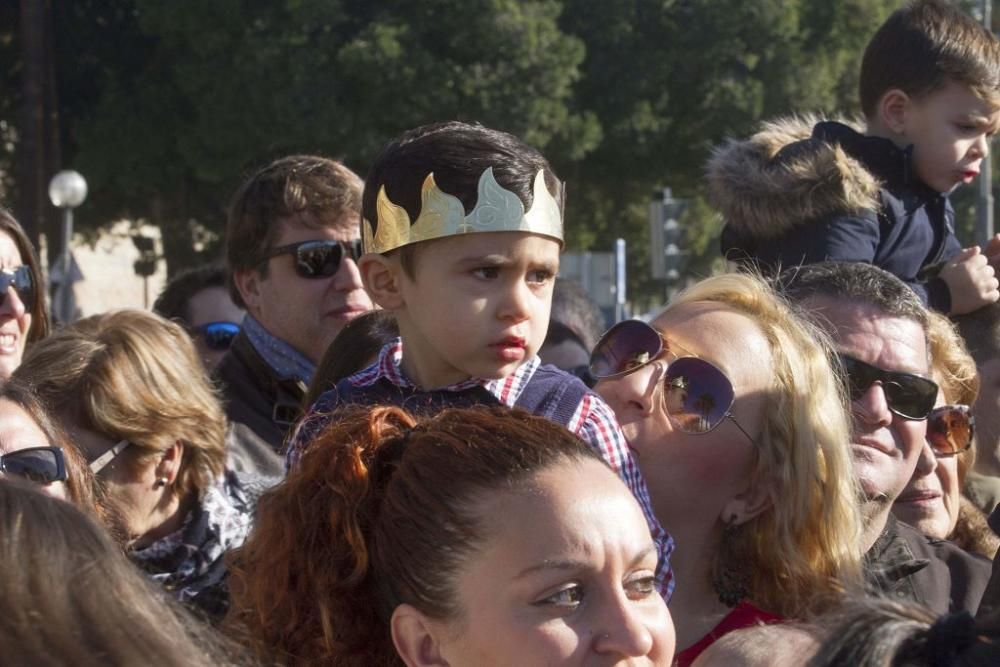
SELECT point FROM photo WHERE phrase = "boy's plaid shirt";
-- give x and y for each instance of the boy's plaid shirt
(593, 421)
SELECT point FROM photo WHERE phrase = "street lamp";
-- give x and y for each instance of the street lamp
(67, 190)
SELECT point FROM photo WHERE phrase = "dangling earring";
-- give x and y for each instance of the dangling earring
(729, 575)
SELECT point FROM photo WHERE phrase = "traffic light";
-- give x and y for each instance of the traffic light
(666, 236)
(145, 266)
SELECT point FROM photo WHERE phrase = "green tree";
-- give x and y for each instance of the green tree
(206, 97)
(670, 79)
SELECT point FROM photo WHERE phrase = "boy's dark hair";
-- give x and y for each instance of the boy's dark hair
(317, 191)
(173, 300)
(356, 344)
(923, 46)
(854, 281)
(457, 154)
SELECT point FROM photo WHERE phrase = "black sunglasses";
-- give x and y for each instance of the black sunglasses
(908, 395)
(38, 464)
(950, 429)
(218, 336)
(318, 259)
(697, 394)
(22, 280)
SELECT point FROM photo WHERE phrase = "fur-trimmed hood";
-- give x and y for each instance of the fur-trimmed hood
(785, 176)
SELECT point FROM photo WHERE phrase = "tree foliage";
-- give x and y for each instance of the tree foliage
(166, 106)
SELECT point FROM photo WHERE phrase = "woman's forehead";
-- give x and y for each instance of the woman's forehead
(728, 338)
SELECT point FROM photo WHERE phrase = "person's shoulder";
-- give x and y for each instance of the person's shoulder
(970, 570)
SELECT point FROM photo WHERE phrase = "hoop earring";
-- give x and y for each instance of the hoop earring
(729, 576)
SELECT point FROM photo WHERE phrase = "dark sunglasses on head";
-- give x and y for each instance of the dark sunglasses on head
(950, 429)
(318, 259)
(908, 395)
(218, 336)
(697, 394)
(22, 280)
(38, 464)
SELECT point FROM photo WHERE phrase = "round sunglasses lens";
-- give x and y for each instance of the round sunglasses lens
(697, 395)
(625, 347)
(318, 260)
(38, 466)
(949, 430)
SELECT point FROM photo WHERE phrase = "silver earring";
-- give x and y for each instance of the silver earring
(161, 482)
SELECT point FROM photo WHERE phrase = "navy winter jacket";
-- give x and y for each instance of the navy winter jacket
(797, 193)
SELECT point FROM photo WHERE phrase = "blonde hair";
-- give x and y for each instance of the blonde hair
(806, 548)
(954, 370)
(132, 375)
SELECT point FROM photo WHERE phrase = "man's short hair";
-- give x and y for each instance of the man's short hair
(457, 154)
(317, 191)
(173, 300)
(981, 331)
(923, 46)
(856, 282)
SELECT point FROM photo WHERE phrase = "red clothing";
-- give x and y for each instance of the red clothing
(743, 615)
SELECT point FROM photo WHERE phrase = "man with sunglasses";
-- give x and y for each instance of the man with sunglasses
(198, 300)
(292, 238)
(879, 326)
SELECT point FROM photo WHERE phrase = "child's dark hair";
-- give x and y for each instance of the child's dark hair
(873, 632)
(457, 154)
(381, 511)
(352, 350)
(923, 46)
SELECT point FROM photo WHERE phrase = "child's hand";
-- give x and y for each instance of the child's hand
(970, 279)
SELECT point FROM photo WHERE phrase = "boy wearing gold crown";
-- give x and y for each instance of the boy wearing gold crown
(462, 235)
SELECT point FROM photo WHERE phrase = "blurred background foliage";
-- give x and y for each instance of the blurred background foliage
(165, 107)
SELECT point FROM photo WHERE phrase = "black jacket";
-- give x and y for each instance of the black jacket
(991, 598)
(261, 408)
(908, 566)
(797, 193)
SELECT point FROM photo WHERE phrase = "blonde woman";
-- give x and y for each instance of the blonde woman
(129, 389)
(740, 429)
(933, 501)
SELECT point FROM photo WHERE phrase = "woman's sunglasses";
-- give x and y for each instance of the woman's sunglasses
(38, 464)
(218, 336)
(22, 280)
(318, 259)
(102, 461)
(697, 394)
(950, 429)
(908, 395)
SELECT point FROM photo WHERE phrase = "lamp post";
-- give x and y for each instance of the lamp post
(67, 190)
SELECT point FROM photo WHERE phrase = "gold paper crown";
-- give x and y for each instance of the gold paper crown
(497, 210)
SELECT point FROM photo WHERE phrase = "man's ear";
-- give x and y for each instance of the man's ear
(381, 277)
(247, 281)
(746, 505)
(416, 638)
(892, 110)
